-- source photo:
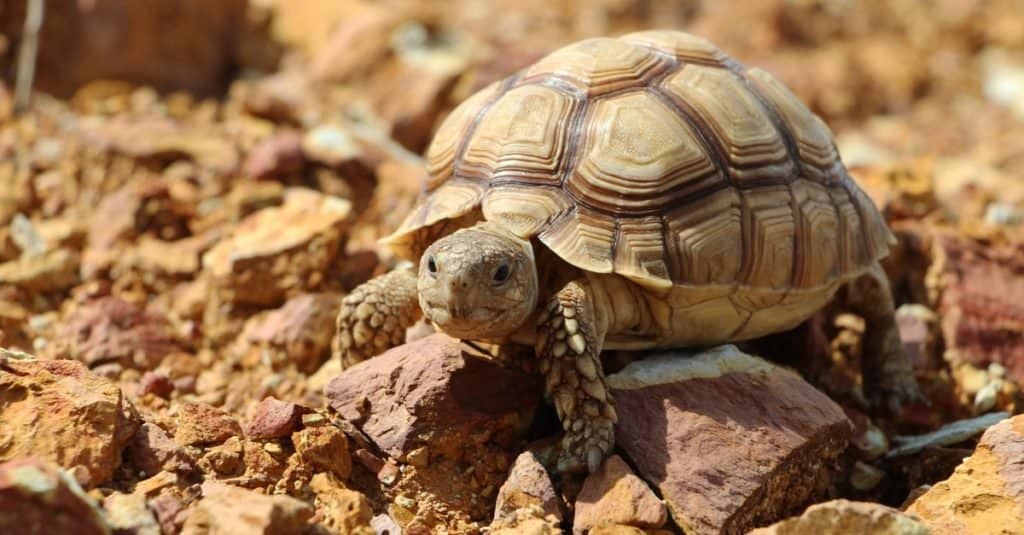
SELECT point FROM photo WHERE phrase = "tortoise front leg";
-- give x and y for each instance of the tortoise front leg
(374, 317)
(569, 346)
(887, 370)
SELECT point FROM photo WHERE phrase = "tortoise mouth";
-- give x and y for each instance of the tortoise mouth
(477, 323)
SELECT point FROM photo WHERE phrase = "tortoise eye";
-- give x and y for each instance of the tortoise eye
(431, 266)
(502, 273)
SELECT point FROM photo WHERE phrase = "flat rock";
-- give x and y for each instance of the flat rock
(37, 497)
(112, 330)
(985, 494)
(60, 412)
(435, 392)
(730, 440)
(614, 495)
(227, 510)
(265, 261)
(947, 435)
(528, 484)
(843, 516)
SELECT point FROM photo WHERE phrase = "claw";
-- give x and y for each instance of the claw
(594, 458)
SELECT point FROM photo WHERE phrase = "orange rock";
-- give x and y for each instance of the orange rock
(614, 495)
(986, 493)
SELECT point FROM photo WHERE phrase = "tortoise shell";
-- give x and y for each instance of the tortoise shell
(657, 157)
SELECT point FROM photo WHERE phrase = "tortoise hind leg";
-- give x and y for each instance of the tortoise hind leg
(887, 370)
(374, 316)
(569, 343)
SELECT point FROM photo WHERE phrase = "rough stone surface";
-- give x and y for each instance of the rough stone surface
(152, 451)
(274, 418)
(112, 330)
(298, 333)
(264, 261)
(200, 424)
(58, 411)
(50, 271)
(276, 157)
(37, 497)
(985, 494)
(431, 391)
(324, 447)
(343, 510)
(843, 516)
(127, 513)
(730, 440)
(979, 289)
(614, 495)
(229, 510)
(528, 484)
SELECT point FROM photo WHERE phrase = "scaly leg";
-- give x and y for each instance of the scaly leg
(374, 317)
(888, 372)
(569, 346)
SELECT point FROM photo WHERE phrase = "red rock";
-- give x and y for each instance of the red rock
(528, 484)
(155, 383)
(297, 334)
(730, 440)
(980, 300)
(200, 424)
(152, 451)
(110, 329)
(986, 493)
(614, 495)
(274, 418)
(36, 497)
(433, 391)
(263, 261)
(276, 157)
(226, 509)
(842, 516)
(169, 44)
(58, 411)
(168, 511)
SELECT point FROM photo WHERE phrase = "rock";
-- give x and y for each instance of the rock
(228, 510)
(342, 510)
(528, 521)
(110, 329)
(383, 524)
(263, 261)
(358, 44)
(276, 157)
(173, 45)
(432, 392)
(730, 440)
(984, 494)
(918, 327)
(127, 513)
(614, 495)
(169, 512)
(297, 334)
(274, 418)
(528, 484)
(200, 424)
(152, 451)
(324, 447)
(48, 272)
(843, 516)
(60, 412)
(36, 497)
(156, 384)
(467, 410)
(979, 296)
(947, 435)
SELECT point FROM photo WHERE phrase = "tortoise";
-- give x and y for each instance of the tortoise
(639, 192)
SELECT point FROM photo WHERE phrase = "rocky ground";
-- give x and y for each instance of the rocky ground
(168, 337)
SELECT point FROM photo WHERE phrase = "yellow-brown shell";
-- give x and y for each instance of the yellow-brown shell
(657, 157)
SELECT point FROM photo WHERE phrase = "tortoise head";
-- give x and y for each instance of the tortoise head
(478, 283)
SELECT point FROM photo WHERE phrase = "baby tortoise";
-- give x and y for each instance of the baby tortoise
(632, 193)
